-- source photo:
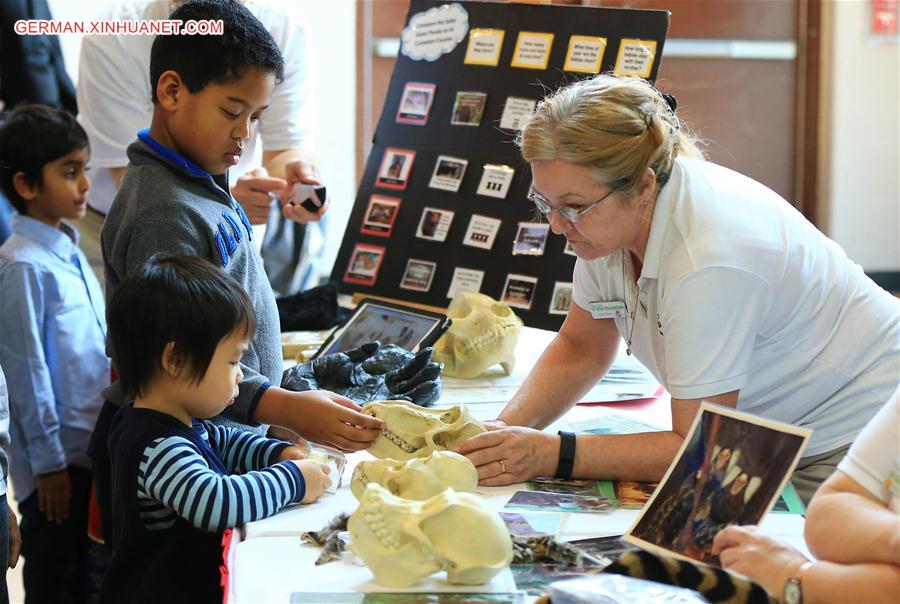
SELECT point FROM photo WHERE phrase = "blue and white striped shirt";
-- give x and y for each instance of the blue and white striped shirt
(174, 480)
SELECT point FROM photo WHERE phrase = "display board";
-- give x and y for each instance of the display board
(442, 205)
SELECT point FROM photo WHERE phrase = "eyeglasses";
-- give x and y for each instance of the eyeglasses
(571, 215)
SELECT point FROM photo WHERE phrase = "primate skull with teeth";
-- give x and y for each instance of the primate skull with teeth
(402, 541)
(484, 332)
(410, 431)
(416, 478)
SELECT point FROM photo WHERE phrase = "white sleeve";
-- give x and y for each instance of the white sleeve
(113, 98)
(288, 123)
(587, 285)
(874, 458)
(711, 321)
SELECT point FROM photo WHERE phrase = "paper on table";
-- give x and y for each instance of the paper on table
(626, 380)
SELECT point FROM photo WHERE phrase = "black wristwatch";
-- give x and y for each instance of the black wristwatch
(566, 455)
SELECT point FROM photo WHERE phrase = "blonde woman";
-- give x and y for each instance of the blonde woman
(726, 293)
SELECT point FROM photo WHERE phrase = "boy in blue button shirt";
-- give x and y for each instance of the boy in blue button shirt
(52, 339)
(208, 93)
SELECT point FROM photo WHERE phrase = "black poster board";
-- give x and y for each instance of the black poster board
(380, 239)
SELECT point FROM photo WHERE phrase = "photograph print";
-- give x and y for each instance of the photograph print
(468, 108)
(364, 264)
(448, 173)
(531, 239)
(380, 216)
(395, 168)
(418, 275)
(731, 468)
(415, 103)
(519, 291)
(434, 224)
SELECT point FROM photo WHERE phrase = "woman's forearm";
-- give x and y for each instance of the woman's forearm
(561, 376)
(869, 583)
(637, 457)
(872, 536)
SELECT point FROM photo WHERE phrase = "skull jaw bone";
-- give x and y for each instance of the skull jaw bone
(411, 431)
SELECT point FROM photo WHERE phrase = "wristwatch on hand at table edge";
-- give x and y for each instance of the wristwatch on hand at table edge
(793, 589)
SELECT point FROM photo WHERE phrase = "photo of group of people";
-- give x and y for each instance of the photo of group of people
(730, 470)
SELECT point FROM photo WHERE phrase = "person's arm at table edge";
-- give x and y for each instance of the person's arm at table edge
(831, 582)
(585, 349)
(642, 457)
(873, 536)
(579, 356)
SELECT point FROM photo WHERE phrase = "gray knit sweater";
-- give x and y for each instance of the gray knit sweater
(166, 204)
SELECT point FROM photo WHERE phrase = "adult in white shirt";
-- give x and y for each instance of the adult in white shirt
(853, 529)
(114, 100)
(723, 291)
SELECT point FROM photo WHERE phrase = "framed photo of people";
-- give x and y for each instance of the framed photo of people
(443, 204)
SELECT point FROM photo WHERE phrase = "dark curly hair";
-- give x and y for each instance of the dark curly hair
(201, 59)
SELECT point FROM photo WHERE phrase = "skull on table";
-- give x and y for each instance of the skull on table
(410, 431)
(484, 333)
(416, 478)
(402, 541)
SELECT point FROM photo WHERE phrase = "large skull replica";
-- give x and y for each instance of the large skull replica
(410, 431)
(402, 541)
(416, 478)
(484, 332)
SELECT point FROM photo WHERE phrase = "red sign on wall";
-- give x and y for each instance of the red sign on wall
(885, 17)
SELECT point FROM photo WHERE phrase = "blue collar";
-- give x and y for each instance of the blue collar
(62, 242)
(172, 156)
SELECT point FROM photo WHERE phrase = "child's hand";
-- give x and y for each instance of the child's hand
(315, 473)
(292, 453)
(54, 492)
(15, 538)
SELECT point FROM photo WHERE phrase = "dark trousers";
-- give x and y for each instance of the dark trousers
(100, 461)
(4, 549)
(56, 555)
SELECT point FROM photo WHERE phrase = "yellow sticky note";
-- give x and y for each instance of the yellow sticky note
(635, 57)
(532, 50)
(585, 54)
(484, 47)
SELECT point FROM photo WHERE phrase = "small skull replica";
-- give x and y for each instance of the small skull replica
(411, 431)
(484, 332)
(402, 541)
(416, 478)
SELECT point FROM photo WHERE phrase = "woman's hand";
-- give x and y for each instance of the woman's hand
(508, 454)
(745, 550)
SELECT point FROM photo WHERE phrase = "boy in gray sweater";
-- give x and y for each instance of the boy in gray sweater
(208, 93)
